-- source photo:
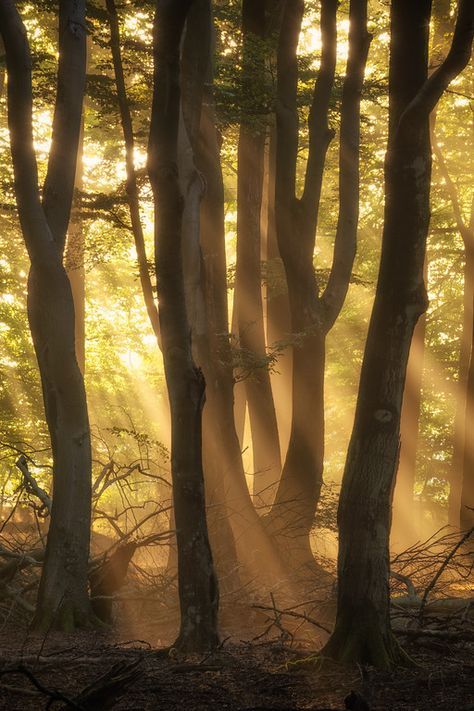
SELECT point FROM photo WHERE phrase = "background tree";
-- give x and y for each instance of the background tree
(312, 313)
(248, 278)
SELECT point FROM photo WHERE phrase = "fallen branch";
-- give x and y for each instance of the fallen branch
(291, 613)
(407, 582)
(440, 570)
(105, 691)
(437, 634)
(53, 695)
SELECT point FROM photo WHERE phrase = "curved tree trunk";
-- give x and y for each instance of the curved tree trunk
(198, 591)
(63, 593)
(461, 442)
(133, 195)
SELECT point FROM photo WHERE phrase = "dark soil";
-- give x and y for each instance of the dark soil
(241, 675)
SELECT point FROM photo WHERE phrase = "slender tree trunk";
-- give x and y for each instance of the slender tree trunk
(248, 282)
(240, 398)
(198, 590)
(466, 517)
(461, 442)
(362, 633)
(405, 529)
(462, 423)
(278, 308)
(222, 543)
(2, 68)
(74, 263)
(63, 594)
(133, 195)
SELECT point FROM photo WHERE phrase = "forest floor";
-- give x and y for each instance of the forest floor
(243, 674)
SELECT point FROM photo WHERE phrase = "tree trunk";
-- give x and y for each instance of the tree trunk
(133, 195)
(461, 442)
(278, 307)
(248, 278)
(312, 314)
(74, 263)
(63, 594)
(362, 632)
(196, 60)
(466, 516)
(197, 582)
(405, 528)
(255, 550)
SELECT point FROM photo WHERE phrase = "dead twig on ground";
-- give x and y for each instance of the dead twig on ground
(439, 572)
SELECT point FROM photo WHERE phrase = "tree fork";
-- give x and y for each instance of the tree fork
(63, 593)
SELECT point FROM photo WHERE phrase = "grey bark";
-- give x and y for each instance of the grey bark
(198, 591)
(362, 632)
(62, 597)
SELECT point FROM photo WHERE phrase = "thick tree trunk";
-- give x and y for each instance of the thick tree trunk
(198, 590)
(362, 633)
(62, 598)
(63, 593)
(248, 279)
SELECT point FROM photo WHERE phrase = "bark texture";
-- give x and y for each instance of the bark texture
(362, 632)
(198, 591)
(248, 278)
(196, 71)
(63, 597)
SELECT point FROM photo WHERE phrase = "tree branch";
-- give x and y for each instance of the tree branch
(131, 186)
(60, 178)
(38, 237)
(457, 59)
(346, 234)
